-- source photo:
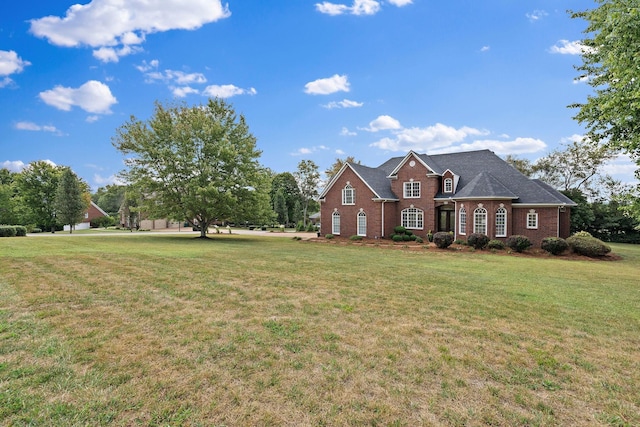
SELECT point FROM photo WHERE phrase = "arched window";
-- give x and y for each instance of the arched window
(348, 195)
(335, 223)
(501, 222)
(362, 224)
(448, 185)
(413, 218)
(463, 220)
(480, 221)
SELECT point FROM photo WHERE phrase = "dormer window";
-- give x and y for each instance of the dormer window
(348, 195)
(412, 189)
(448, 185)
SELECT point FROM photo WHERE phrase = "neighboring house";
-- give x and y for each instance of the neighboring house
(93, 212)
(464, 193)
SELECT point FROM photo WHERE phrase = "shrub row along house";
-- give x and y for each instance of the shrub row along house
(464, 193)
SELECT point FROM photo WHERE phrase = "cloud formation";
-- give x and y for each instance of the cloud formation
(227, 91)
(13, 165)
(536, 15)
(359, 7)
(345, 103)
(93, 97)
(566, 47)
(10, 63)
(440, 138)
(30, 126)
(327, 86)
(116, 28)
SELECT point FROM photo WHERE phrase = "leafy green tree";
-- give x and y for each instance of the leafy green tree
(37, 186)
(524, 166)
(337, 165)
(109, 198)
(611, 65)
(197, 163)
(286, 183)
(71, 199)
(280, 207)
(308, 178)
(9, 200)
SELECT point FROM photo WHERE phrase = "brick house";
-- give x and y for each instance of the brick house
(468, 192)
(93, 212)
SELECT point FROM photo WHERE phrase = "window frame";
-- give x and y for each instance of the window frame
(532, 220)
(480, 220)
(347, 191)
(501, 213)
(448, 185)
(335, 223)
(412, 218)
(361, 227)
(409, 189)
(462, 219)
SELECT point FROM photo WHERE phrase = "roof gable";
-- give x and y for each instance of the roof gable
(374, 178)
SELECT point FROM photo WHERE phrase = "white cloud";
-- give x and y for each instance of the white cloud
(109, 54)
(13, 166)
(30, 126)
(333, 84)
(227, 91)
(91, 119)
(485, 48)
(123, 25)
(516, 146)
(183, 91)
(10, 63)
(623, 168)
(146, 66)
(565, 47)
(93, 97)
(339, 152)
(359, 7)
(383, 123)
(536, 15)
(345, 103)
(347, 132)
(101, 181)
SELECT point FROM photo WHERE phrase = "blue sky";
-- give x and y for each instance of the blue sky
(315, 79)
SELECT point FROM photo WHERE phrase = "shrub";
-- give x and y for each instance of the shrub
(36, 230)
(518, 243)
(406, 237)
(21, 230)
(7, 231)
(583, 234)
(442, 239)
(408, 232)
(588, 246)
(355, 238)
(419, 239)
(460, 242)
(554, 245)
(103, 221)
(495, 244)
(399, 229)
(477, 240)
(329, 236)
(397, 237)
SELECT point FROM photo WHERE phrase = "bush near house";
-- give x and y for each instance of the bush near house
(583, 243)
(442, 239)
(495, 244)
(518, 243)
(12, 230)
(554, 245)
(477, 240)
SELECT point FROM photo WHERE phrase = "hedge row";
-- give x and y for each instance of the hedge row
(12, 230)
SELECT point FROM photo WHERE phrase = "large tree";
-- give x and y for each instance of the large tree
(611, 65)
(337, 165)
(8, 198)
(286, 184)
(196, 163)
(110, 198)
(72, 199)
(37, 185)
(308, 178)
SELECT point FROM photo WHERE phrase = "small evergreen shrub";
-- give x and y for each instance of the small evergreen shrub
(408, 232)
(399, 229)
(397, 237)
(36, 230)
(406, 238)
(518, 243)
(418, 239)
(588, 246)
(496, 244)
(413, 237)
(21, 230)
(355, 238)
(442, 239)
(477, 240)
(460, 242)
(583, 234)
(7, 231)
(329, 236)
(554, 245)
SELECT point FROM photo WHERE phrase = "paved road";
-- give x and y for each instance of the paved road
(290, 234)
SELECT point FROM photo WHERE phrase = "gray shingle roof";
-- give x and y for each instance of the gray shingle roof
(377, 179)
(482, 174)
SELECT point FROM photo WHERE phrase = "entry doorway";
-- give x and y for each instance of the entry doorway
(446, 218)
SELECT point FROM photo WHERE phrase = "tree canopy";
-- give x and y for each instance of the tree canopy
(337, 165)
(37, 185)
(196, 164)
(611, 65)
(72, 199)
(308, 178)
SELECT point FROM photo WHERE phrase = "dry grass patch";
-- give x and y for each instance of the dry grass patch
(167, 330)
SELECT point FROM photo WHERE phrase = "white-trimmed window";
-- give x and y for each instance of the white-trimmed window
(348, 195)
(412, 189)
(480, 221)
(335, 222)
(413, 218)
(362, 224)
(463, 220)
(532, 219)
(501, 222)
(448, 185)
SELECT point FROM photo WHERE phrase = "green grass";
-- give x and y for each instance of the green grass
(241, 330)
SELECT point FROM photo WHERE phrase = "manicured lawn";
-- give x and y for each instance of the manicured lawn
(240, 330)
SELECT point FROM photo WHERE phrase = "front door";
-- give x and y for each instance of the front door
(446, 218)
